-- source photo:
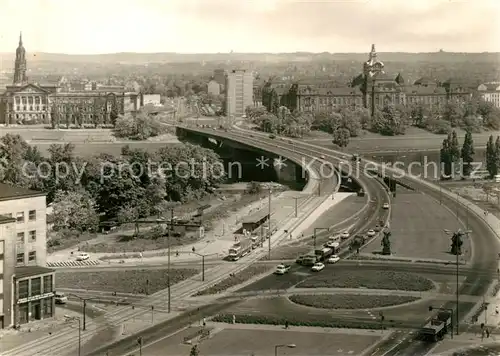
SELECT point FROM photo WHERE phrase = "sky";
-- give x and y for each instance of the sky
(210, 26)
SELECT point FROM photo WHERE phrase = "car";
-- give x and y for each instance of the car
(332, 244)
(82, 256)
(282, 269)
(333, 259)
(60, 298)
(385, 206)
(345, 235)
(322, 156)
(272, 136)
(371, 233)
(318, 266)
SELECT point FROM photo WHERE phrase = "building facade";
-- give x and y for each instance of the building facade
(62, 104)
(28, 286)
(490, 92)
(239, 92)
(371, 89)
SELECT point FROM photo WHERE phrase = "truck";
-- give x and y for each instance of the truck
(437, 327)
(282, 269)
(323, 253)
(240, 249)
(257, 240)
(307, 260)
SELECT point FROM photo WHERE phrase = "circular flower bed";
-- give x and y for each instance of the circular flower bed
(350, 301)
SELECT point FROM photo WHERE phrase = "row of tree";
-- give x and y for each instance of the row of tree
(111, 187)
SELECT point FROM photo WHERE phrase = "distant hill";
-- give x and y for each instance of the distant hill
(7, 59)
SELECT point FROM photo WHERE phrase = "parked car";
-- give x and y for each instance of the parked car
(385, 206)
(60, 298)
(282, 269)
(318, 266)
(333, 259)
(345, 235)
(82, 256)
(371, 233)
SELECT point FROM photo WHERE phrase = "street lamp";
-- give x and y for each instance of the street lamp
(290, 346)
(296, 198)
(459, 234)
(314, 234)
(431, 308)
(203, 263)
(79, 331)
(84, 307)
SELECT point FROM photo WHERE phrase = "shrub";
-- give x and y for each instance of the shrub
(138, 127)
(350, 301)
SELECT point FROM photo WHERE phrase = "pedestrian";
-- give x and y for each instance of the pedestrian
(234, 319)
(496, 310)
(487, 333)
(204, 322)
(286, 324)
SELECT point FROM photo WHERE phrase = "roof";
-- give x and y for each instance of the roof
(4, 219)
(255, 217)
(341, 91)
(422, 90)
(10, 192)
(425, 81)
(489, 87)
(31, 271)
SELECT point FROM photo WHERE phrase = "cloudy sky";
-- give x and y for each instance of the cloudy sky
(194, 26)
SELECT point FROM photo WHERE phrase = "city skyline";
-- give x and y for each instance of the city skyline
(258, 26)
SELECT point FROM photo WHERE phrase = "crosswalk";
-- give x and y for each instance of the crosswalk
(73, 263)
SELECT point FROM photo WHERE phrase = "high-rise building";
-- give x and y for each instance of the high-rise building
(239, 92)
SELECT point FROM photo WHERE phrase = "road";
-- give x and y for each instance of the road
(60, 343)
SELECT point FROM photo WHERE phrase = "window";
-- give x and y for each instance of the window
(32, 256)
(36, 286)
(23, 289)
(32, 215)
(20, 237)
(20, 217)
(47, 308)
(32, 235)
(47, 284)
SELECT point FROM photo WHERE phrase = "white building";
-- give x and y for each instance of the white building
(239, 92)
(490, 92)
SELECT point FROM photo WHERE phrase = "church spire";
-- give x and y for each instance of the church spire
(20, 63)
(373, 53)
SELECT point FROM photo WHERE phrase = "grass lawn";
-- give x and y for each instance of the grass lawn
(350, 301)
(372, 280)
(129, 281)
(238, 278)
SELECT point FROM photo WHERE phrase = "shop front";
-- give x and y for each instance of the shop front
(34, 294)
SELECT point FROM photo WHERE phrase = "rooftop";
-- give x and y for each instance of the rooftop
(31, 271)
(10, 192)
(255, 217)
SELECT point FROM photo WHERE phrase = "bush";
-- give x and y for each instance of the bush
(324, 321)
(373, 280)
(350, 301)
(234, 280)
(139, 127)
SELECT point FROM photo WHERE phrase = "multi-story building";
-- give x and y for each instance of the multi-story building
(490, 92)
(27, 284)
(64, 103)
(372, 89)
(239, 92)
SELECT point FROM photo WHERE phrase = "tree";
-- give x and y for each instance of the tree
(386, 243)
(491, 157)
(194, 351)
(454, 147)
(456, 243)
(75, 211)
(18, 162)
(453, 113)
(390, 121)
(341, 137)
(446, 159)
(129, 214)
(138, 127)
(467, 154)
(497, 152)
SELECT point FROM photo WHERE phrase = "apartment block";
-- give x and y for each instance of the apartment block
(239, 92)
(7, 270)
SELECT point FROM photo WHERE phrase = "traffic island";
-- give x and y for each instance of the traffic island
(350, 301)
(369, 279)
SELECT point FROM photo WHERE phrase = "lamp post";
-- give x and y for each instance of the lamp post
(84, 308)
(79, 331)
(459, 235)
(276, 347)
(431, 308)
(314, 234)
(296, 210)
(269, 224)
(203, 263)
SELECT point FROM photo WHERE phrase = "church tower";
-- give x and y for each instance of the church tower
(20, 64)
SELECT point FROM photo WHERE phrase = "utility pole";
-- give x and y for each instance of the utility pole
(168, 259)
(269, 225)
